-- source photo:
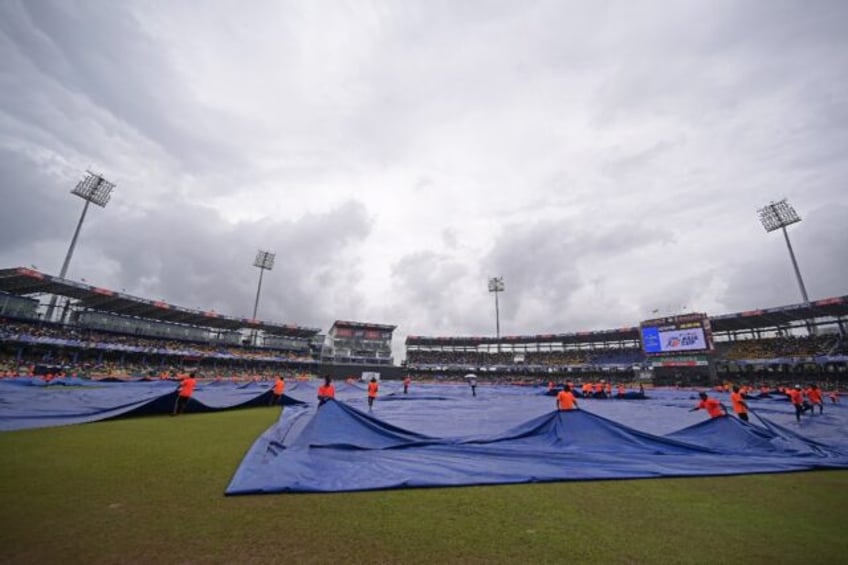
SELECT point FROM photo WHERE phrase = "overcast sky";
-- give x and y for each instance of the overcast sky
(607, 159)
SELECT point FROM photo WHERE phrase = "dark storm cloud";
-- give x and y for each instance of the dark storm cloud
(820, 243)
(32, 207)
(189, 256)
(98, 50)
(700, 62)
(549, 262)
(425, 286)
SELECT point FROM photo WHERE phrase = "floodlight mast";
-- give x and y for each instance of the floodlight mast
(778, 215)
(496, 285)
(94, 189)
(265, 262)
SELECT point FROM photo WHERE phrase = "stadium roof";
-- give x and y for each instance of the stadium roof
(22, 281)
(836, 307)
(620, 334)
(362, 325)
(750, 320)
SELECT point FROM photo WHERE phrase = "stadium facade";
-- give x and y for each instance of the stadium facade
(787, 342)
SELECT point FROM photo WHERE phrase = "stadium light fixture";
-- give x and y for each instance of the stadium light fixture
(265, 262)
(496, 285)
(94, 189)
(776, 216)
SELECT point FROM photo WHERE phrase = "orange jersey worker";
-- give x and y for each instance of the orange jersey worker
(373, 387)
(797, 399)
(326, 391)
(711, 405)
(277, 392)
(565, 399)
(739, 404)
(184, 392)
(815, 396)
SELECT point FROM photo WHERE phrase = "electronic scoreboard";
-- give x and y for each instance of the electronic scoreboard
(684, 334)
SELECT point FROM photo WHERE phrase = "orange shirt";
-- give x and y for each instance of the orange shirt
(565, 400)
(712, 406)
(738, 403)
(372, 390)
(187, 386)
(279, 386)
(795, 396)
(621, 390)
(326, 391)
(814, 395)
(406, 381)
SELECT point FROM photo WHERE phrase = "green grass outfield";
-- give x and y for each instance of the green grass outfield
(150, 490)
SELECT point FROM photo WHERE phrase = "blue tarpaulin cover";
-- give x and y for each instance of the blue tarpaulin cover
(32, 403)
(441, 435)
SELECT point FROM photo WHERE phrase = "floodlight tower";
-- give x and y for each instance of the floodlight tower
(94, 189)
(778, 215)
(265, 262)
(496, 285)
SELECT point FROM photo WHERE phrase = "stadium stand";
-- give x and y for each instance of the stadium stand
(56, 347)
(788, 343)
(112, 333)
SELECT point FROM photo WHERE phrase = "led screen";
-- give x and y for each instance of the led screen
(670, 340)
